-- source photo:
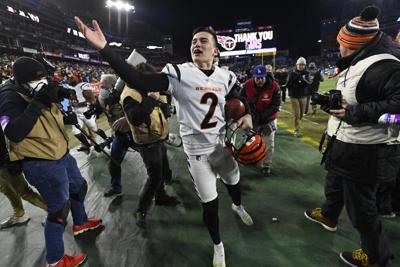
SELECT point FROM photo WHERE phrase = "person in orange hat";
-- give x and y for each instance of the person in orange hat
(361, 155)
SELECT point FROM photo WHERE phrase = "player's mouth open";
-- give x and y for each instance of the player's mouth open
(197, 52)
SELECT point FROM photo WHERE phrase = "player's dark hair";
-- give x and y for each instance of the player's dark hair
(208, 29)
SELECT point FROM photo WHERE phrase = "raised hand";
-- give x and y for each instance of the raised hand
(95, 38)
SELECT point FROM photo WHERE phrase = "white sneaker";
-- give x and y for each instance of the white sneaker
(246, 219)
(219, 255)
(14, 220)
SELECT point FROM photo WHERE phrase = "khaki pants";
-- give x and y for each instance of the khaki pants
(267, 133)
(15, 188)
(298, 105)
(269, 141)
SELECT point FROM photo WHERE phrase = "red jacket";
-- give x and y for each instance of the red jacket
(264, 102)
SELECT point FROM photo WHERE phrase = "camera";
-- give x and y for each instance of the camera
(90, 112)
(330, 100)
(113, 98)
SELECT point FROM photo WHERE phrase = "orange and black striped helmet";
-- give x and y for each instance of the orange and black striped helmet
(246, 146)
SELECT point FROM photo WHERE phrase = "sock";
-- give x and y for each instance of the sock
(211, 220)
(235, 193)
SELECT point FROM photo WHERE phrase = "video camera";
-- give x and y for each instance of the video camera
(330, 100)
(112, 98)
(90, 112)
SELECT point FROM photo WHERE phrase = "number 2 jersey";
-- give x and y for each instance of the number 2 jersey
(200, 102)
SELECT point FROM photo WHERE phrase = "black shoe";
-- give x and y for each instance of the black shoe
(166, 200)
(266, 171)
(84, 149)
(357, 258)
(140, 219)
(111, 193)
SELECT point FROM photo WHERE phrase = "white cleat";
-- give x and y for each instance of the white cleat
(246, 218)
(219, 255)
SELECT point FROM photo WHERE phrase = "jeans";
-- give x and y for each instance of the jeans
(119, 147)
(56, 180)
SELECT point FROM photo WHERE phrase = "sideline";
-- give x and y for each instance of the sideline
(305, 139)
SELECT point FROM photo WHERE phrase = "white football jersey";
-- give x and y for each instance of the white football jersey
(200, 101)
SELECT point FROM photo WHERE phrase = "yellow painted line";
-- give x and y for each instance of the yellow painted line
(304, 119)
(305, 139)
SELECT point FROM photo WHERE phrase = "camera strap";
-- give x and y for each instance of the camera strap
(331, 140)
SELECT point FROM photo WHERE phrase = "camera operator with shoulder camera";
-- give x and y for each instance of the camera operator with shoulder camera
(86, 115)
(147, 117)
(34, 126)
(108, 102)
(361, 154)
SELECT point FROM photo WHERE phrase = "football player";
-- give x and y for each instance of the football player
(200, 89)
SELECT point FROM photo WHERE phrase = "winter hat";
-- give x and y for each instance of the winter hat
(301, 61)
(26, 69)
(259, 71)
(360, 30)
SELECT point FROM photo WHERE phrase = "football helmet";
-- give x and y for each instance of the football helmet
(246, 146)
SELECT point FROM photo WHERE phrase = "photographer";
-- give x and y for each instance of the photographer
(316, 78)
(86, 115)
(108, 102)
(297, 85)
(147, 118)
(361, 154)
(34, 127)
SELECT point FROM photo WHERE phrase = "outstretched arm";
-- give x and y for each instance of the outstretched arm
(135, 79)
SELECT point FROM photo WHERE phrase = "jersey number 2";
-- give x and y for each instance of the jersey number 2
(206, 124)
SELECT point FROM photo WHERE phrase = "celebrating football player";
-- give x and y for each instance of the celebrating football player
(200, 90)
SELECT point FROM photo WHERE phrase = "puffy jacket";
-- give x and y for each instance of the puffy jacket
(377, 92)
(298, 83)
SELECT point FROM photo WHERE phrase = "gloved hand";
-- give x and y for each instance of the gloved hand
(47, 95)
(70, 118)
(66, 93)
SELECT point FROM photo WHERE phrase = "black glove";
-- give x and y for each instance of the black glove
(47, 95)
(165, 109)
(66, 93)
(70, 118)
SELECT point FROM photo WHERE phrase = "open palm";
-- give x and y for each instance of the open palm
(95, 38)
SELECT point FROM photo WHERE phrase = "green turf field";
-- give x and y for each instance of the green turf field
(312, 125)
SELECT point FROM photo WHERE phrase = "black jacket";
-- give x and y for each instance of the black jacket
(298, 83)
(3, 149)
(378, 92)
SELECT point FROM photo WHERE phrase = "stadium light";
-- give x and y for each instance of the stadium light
(398, 20)
(120, 5)
(319, 41)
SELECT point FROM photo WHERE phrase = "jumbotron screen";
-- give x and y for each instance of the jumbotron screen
(259, 40)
